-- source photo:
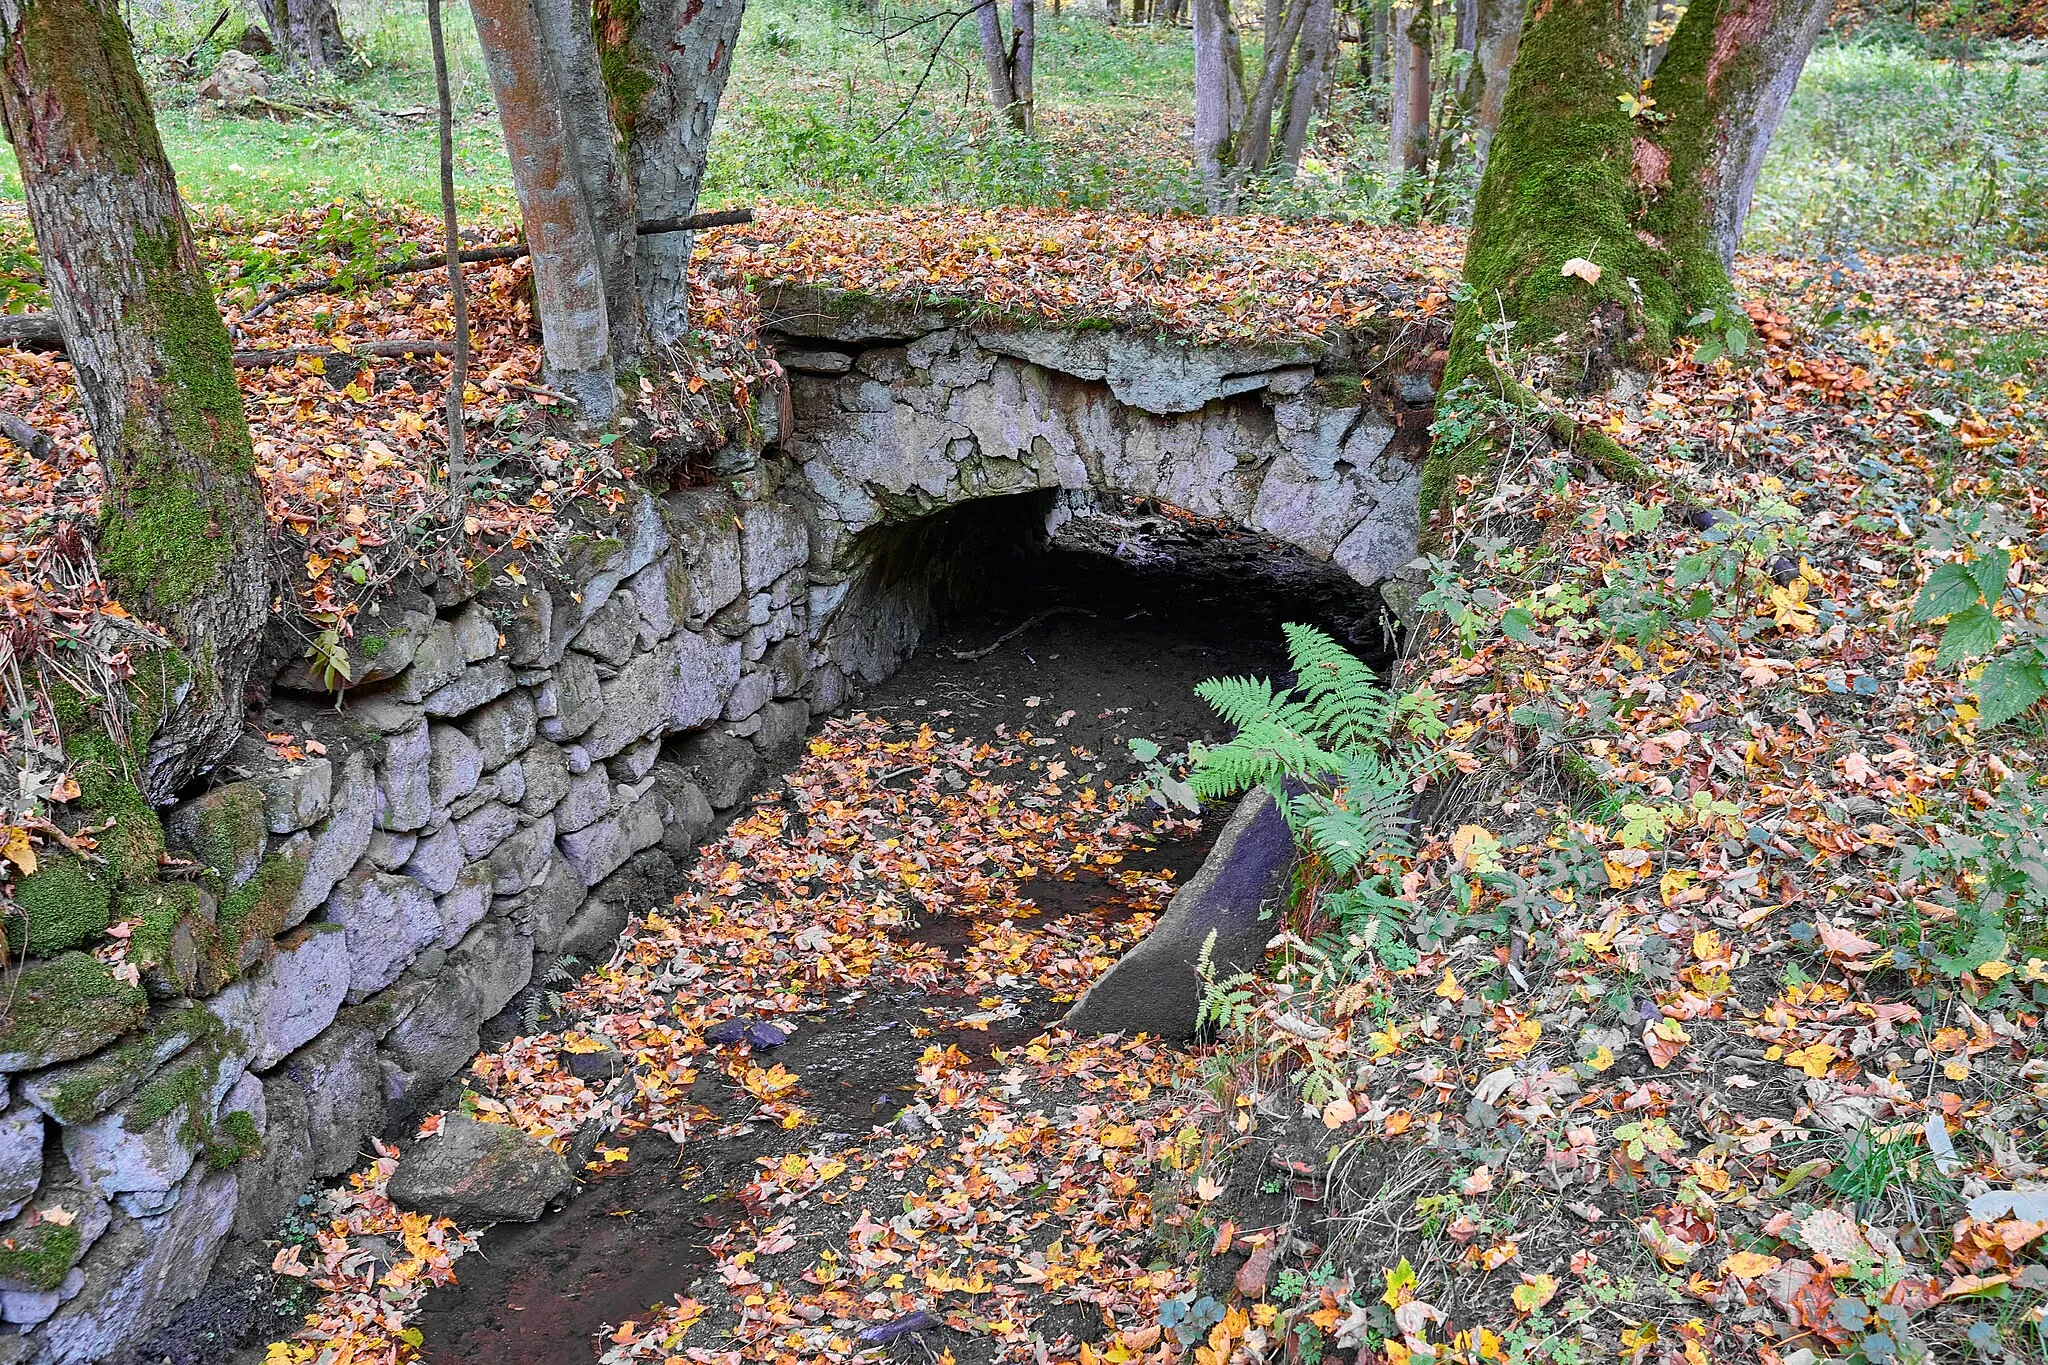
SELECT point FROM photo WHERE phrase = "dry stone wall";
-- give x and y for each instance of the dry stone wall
(513, 770)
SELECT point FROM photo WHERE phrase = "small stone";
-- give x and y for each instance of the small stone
(502, 730)
(455, 766)
(477, 1172)
(600, 1065)
(298, 795)
(476, 634)
(727, 1031)
(762, 1034)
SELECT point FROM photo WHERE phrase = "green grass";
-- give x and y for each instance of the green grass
(1883, 146)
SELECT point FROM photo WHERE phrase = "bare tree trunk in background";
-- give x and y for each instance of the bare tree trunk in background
(1408, 121)
(182, 538)
(567, 38)
(568, 275)
(1726, 77)
(1219, 97)
(1023, 60)
(1272, 16)
(1382, 41)
(306, 32)
(458, 295)
(995, 59)
(1257, 150)
(1305, 101)
(665, 65)
(1468, 25)
(1497, 33)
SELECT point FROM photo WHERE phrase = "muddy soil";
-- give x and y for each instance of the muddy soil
(1087, 649)
(1110, 651)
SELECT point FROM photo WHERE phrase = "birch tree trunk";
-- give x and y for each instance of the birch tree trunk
(1305, 100)
(665, 65)
(182, 538)
(1219, 97)
(1497, 33)
(568, 276)
(306, 32)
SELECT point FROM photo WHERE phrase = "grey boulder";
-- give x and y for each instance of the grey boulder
(476, 1172)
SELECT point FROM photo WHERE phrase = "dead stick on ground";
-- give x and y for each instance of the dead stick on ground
(1010, 635)
(451, 250)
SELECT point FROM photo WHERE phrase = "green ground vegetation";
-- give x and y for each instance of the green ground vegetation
(1890, 143)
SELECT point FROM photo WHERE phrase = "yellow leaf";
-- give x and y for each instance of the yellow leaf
(1620, 876)
(1476, 849)
(1533, 1292)
(1749, 1264)
(1582, 268)
(1602, 1058)
(1992, 971)
(1449, 988)
(1814, 1059)
(17, 850)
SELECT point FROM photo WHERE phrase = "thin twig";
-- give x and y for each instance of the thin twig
(458, 291)
(478, 256)
(1010, 635)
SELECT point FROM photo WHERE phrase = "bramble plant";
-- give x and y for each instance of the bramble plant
(1966, 594)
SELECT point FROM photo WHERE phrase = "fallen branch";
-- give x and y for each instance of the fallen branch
(1010, 635)
(481, 255)
(38, 444)
(288, 355)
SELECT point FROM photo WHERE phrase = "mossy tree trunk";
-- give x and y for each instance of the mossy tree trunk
(306, 32)
(183, 539)
(1722, 88)
(1607, 215)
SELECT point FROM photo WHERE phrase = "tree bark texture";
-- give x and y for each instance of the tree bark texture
(306, 32)
(1024, 60)
(183, 538)
(598, 164)
(1408, 117)
(1257, 151)
(1497, 33)
(568, 278)
(1219, 96)
(665, 64)
(1723, 85)
(995, 60)
(1305, 99)
(458, 295)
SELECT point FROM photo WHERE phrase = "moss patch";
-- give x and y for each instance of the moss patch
(255, 911)
(66, 1007)
(63, 904)
(103, 1081)
(39, 1257)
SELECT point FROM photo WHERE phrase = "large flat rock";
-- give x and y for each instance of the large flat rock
(1235, 896)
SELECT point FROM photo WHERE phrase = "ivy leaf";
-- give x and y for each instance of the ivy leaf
(2009, 686)
(1948, 590)
(1971, 631)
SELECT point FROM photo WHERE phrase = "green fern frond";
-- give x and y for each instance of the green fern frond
(1351, 706)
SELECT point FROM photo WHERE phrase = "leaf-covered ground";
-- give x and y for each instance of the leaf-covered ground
(1712, 1032)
